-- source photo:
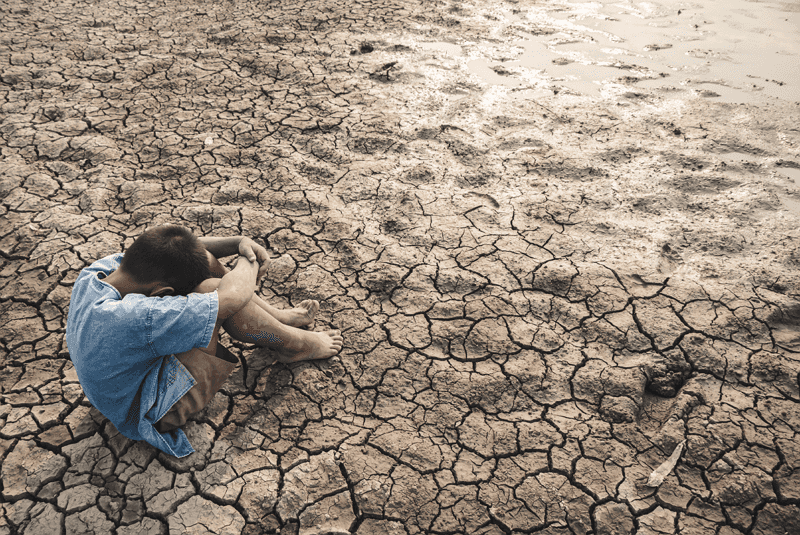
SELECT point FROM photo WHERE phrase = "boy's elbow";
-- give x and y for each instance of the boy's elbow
(231, 304)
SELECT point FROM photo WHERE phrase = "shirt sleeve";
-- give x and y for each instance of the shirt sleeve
(180, 323)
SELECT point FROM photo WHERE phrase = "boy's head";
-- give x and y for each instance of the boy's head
(169, 254)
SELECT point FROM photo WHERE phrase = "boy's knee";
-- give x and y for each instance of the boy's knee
(207, 286)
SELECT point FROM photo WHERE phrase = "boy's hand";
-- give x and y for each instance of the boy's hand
(254, 253)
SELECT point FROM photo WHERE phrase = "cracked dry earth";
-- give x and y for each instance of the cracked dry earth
(540, 298)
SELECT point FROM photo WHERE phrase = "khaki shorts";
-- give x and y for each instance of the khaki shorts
(210, 373)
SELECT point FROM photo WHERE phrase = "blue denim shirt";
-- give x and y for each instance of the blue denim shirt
(123, 351)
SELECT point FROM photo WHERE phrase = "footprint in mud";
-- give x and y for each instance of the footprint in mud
(783, 319)
(488, 200)
(669, 260)
(621, 391)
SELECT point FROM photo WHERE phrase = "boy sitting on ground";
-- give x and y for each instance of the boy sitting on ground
(143, 328)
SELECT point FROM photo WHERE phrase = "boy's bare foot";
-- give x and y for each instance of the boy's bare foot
(313, 345)
(300, 316)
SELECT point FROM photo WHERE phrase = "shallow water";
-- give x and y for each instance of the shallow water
(731, 51)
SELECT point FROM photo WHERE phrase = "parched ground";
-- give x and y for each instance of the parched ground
(541, 297)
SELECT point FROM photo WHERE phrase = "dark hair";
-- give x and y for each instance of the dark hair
(170, 254)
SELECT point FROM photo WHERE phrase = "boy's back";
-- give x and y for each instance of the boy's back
(123, 350)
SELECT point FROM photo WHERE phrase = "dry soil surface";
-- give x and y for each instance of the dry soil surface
(543, 291)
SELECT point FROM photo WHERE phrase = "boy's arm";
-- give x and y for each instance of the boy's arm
(237, 287)
(221, 247)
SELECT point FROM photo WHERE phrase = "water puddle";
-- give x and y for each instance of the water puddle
(739, 157)
(733, 51)
(448, 48)
(791, 173)
(792, 205)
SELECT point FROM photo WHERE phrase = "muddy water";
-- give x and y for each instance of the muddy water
(729, 51)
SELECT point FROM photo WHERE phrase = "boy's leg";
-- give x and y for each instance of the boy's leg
(210, 367)
(300, 316)
(210, 371)
(254, 325)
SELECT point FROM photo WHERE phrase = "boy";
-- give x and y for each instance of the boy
(142, 329)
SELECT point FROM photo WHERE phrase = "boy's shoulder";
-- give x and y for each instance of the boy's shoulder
(107, 263)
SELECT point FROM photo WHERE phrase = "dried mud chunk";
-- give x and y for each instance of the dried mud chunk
(164, 502)
(412, 497)
(82, 422)
(368, 370)
(96, 149)
(150, 482)
(409, 332)
(333, 514)
(529, 368)
(613, 519)
(619, 409)
(292, 408)
(783, 320)
(28, 468)
(329, 434)
(618, 390)
(471, 468)
(220, 481)
(599, 477)
(381, 279)
(147, 526)
(20, 324)
(198, 516)
(551, 496)
(659, 321)
(658, 521)
(489, 337)
(45, 520)
(78, 498)
(668, 374)
(421, 453)
(307, 482)
(91, 521)
(460, 510)
(420, 175)
(774, 371)
(259, 494)
(372, 526)
(487, 435)
(776, 518)
(19, 422)
(734, 487)
(538, 436)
